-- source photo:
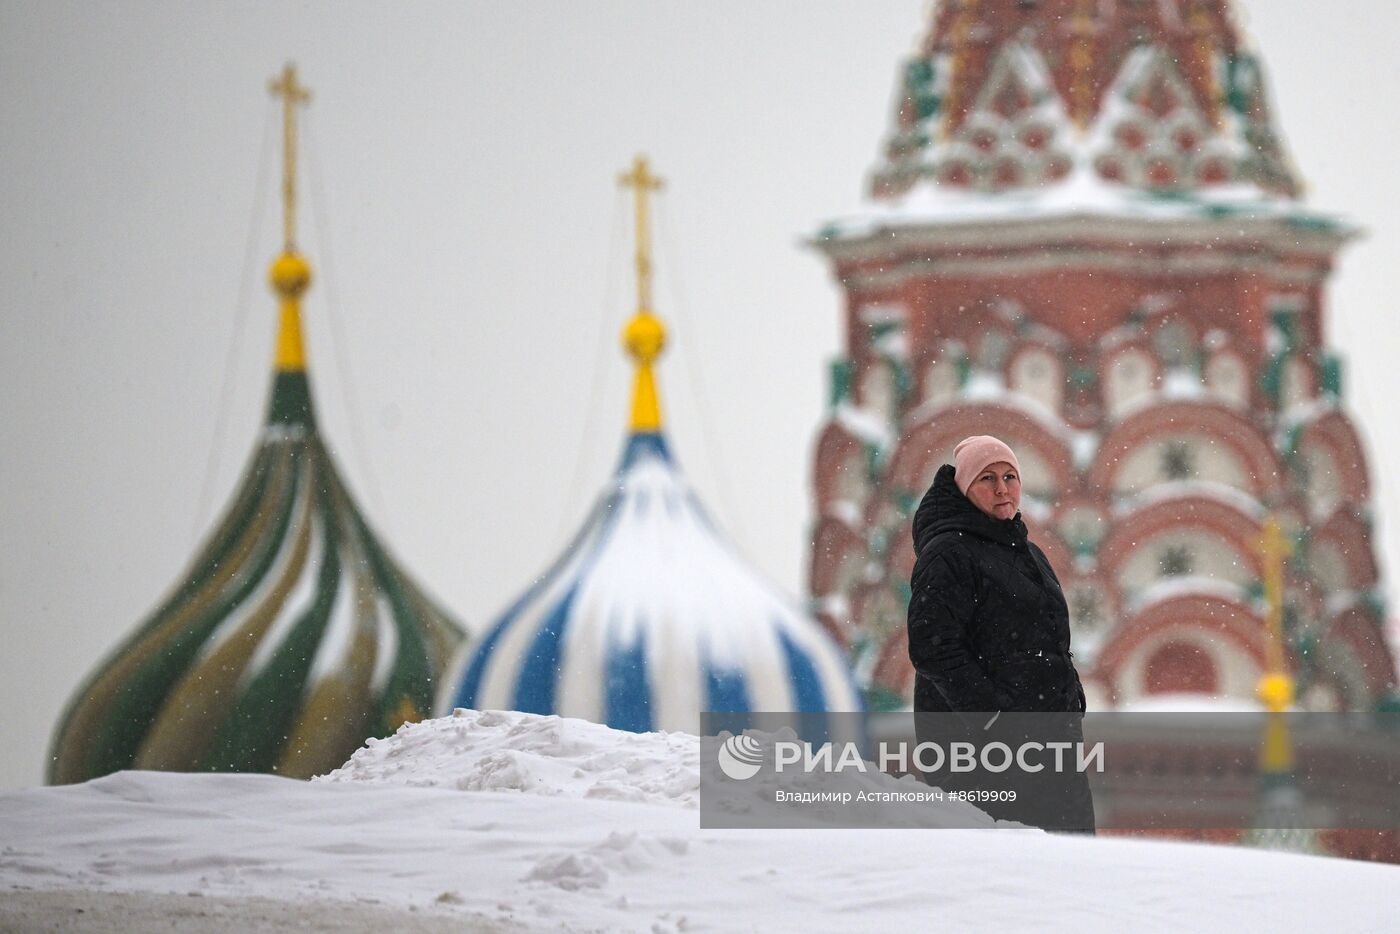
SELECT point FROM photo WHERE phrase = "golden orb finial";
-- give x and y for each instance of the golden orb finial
(644, 337)
(290, 275)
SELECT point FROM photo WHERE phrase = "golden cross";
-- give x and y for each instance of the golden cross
(292, 93)
(642, 182)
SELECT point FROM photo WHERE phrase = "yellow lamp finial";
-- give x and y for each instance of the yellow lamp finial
(1273, 549)
(644, 337)
(290, 274)
(1276, 687)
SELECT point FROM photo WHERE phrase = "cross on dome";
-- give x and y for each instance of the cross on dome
(644, 337)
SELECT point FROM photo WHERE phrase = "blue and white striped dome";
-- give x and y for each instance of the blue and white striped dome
(649, 618)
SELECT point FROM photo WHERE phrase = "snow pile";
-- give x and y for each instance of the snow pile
(497, 750)
(561, 757)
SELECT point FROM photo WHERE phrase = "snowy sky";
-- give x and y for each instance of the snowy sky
(470, 252)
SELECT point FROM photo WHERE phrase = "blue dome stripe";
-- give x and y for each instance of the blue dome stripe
(726, 690)
(597, 526)
(627, 688)
(476, 671)
(538, 680)
(642, 444)
(808, 696)
(802, 674)
(471, 681)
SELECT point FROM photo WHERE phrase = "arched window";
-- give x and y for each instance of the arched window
(1036, 373)
(992, 349)
(1181, 553)
(1182, 457)
(1297, 383)
(877, 393)
(1131, 375)
(1227, 377)
(1328, 566)
(941, 380)
(1173, 343)
(852, 480)
(1321, 479)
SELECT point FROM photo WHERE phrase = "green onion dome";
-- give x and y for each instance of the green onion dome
(292, 637)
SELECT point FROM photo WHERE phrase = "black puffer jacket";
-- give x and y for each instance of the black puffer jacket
(988, 624)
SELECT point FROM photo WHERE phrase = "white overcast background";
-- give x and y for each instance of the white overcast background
(472, 273)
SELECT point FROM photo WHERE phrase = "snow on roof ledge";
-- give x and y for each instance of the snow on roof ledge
(1083, 194)
(1189, 703)
(986, 386)
(1180, 489)
(864, 424)
(1191, 585)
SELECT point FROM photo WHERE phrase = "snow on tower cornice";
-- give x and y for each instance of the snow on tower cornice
(1155, 96)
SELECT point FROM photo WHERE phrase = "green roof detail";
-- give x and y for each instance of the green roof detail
(291, 639)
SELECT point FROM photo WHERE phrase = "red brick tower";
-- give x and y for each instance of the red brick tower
(1085, 237)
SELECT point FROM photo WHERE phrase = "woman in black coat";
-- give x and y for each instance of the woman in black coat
(988, 623)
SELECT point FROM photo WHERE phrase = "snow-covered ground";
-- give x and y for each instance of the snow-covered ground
(508, 821)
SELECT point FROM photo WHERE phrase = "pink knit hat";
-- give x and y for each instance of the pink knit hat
(975, 454)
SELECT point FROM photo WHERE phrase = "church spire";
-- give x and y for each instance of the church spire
(1142, 97)
(290, 274)
(644, 337)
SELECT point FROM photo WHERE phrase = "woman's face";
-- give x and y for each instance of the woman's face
(997, 491)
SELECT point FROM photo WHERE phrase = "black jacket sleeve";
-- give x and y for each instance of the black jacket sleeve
(941, 607)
